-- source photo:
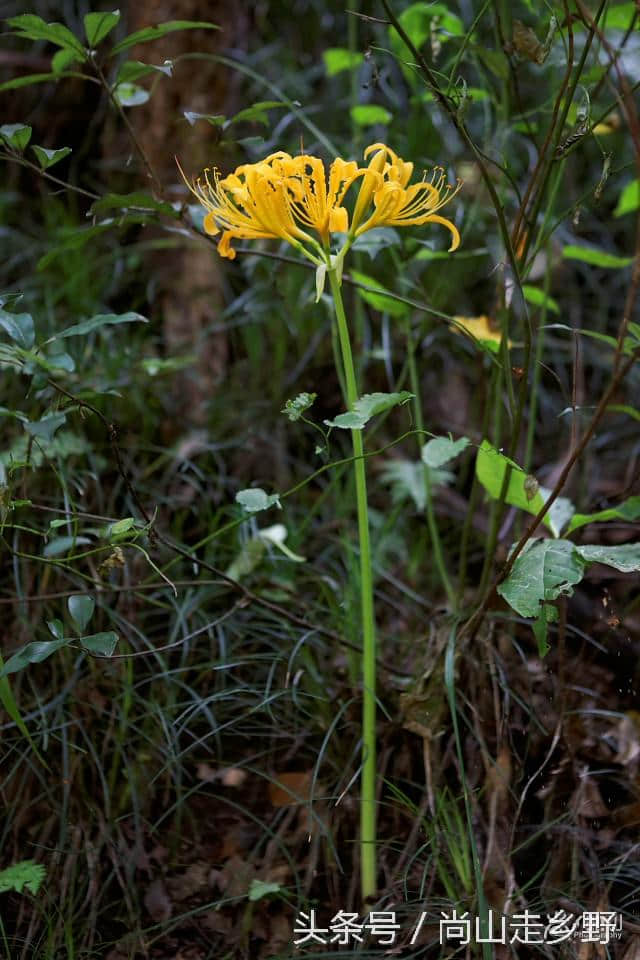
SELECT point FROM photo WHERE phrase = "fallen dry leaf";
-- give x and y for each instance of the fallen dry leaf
(157, 902)
(290, 788)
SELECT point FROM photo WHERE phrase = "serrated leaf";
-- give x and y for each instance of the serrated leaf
(45, 428)
(547, 570)
(32, 27)
(16, 134)
(441, 450)
(539, 298)
(130, 94)
(369, 114)
(260, 888)
(47, 158)
(148, 34)
(625, 557)
(337, 59)
(101, 643)
(254, 499)
(367, 407)
(34, 652)
(81, 607)
(296, 407)
(629, 199)
(598, 258)
(382, 300)
(98, 25)
(26, 875)
(19, 326)
(101, 320)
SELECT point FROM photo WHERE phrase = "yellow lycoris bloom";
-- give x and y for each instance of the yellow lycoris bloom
(290, 198)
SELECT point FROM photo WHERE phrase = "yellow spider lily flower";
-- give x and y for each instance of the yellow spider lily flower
(395, 203)
(285, 197)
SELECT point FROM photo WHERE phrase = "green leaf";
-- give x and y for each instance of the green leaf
(19, 326)
(45, 428)
(418, 23)
(628, 510)
(130, 94)
(491, 467)
(121, 527)
(259, 889)
(62, 545)
(257, 112)
(16, 134)
(625, 408)
(254, 499)
(619, 17)
(539, 299)
(33, 653)
(295, 408)
(98, 25)
(599, 258)
(56, 629)
(625, 557)
(337, 59)
(47, 158)
(101, 320)
(101, 643)
(545, 571)
(385, 304)
(407, 479)
(32, 27)
(366, 407)
(161, 30)
(81, 607)
(27, 80)
(20, 876)
(629, 199)
(441, 450)
(133, 70)
(153, 366)
(139, 200)
(216, 120)
(366, 115)
(62, 59)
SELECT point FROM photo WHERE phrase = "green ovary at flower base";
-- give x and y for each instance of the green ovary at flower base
(291, 198)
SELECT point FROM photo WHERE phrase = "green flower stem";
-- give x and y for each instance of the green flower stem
(368, 872)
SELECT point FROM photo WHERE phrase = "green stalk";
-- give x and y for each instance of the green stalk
(368, 872)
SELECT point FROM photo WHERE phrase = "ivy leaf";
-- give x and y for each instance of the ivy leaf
(441, 450)
(254, 499)
(98, 25)
(81, 607)
(367, 407)
(295, 408)
(16, 135)
(20, 876)
(47, 158)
